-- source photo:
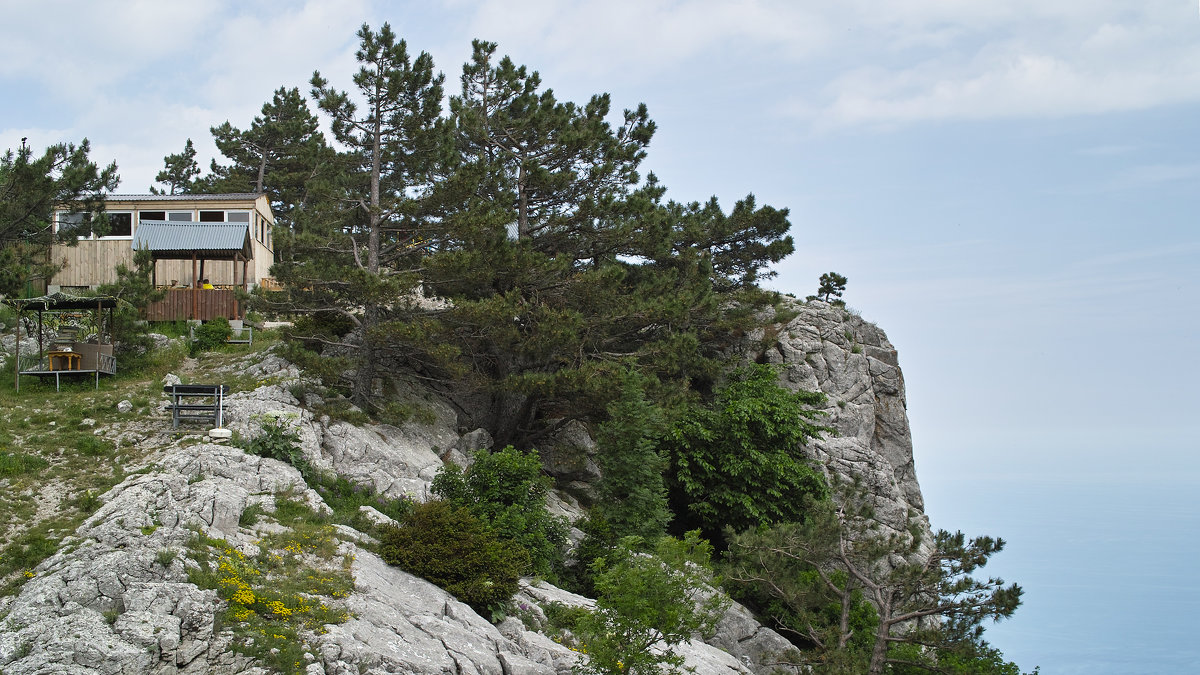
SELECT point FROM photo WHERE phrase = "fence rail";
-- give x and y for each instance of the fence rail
(209, 304)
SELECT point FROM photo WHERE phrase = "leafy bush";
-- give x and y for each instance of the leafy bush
(446, 545)
(739, 463)
(647, 604)
(211, 334)
(507, 491)
(278, 440)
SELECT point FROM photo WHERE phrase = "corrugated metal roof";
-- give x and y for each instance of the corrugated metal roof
(166, 235)
(237, 196)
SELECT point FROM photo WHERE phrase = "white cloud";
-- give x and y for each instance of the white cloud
(879, 63)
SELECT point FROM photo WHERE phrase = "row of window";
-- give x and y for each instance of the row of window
(121, 222)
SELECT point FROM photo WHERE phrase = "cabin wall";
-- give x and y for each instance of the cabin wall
(90, 263)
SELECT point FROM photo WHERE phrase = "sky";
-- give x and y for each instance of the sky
(1010, 188)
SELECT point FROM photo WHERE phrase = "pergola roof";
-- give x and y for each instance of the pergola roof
(61, 301)
(167, 239)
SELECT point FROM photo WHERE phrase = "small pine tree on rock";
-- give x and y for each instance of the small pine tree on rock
(832, 286)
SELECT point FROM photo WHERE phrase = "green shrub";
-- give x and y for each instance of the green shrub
(448, 546)
(211, 334)
(278, 440)
(648, 604)
(739, 463)
(507, 491)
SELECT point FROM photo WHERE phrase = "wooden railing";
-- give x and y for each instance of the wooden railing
(207, 304)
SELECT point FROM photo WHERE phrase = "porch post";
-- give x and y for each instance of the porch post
(99, 339)
(195, 286)
(233, 284)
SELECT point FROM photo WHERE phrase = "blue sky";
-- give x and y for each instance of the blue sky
(1010, 188)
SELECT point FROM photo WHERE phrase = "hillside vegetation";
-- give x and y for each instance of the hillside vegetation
(488, 280)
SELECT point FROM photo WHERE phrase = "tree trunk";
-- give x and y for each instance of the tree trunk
(522, 205)
(879, 652)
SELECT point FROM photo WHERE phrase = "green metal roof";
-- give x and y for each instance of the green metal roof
(175, 239)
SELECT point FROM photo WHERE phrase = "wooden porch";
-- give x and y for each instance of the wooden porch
(195, 303)
(55, 365)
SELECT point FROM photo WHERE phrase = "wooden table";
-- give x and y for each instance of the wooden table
(71, 359)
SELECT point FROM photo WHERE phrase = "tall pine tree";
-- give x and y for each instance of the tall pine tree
(31, 188)
(283, 154)
(354, 257)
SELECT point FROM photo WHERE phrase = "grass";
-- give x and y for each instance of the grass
(48, 449)
(15, 464)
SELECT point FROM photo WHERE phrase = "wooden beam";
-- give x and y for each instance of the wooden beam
(195, 286)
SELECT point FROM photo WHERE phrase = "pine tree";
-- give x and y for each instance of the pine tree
(283, 154)
(832, 286)
(838, 556)
(632, 496)
(179, 172)
(31, 188)
(354, 255)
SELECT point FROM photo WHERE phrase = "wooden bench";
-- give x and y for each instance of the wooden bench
(196, 408)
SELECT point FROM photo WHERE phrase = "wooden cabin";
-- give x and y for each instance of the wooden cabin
(193, 237)
(93, 259)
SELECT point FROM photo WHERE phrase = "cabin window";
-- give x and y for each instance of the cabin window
(120, 225)
(224, 216)
(152, 215)
(181, 216)
(74, 223)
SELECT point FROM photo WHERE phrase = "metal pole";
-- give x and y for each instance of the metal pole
(17, 370)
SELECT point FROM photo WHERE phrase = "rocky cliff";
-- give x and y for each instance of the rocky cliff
(832, 350)
(118, 596)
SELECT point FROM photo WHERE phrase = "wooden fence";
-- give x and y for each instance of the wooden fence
(187, 303)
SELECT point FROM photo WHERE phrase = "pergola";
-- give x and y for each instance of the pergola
(198, 242)
(99, 359)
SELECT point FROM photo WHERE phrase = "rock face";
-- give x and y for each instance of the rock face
(831, 350)
(117, 598)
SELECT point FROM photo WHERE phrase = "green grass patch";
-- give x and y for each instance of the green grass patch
(19, 463)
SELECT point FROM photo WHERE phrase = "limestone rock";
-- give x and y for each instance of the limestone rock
(831, 350)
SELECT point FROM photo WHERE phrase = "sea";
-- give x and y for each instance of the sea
(1109, 564)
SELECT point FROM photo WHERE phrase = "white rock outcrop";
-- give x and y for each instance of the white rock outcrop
(831, 350)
